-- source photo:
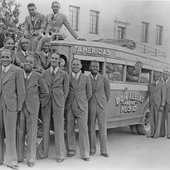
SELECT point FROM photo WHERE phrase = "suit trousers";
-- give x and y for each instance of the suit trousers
(27, 124)
(72, 114)
(8, 121)
(167, 118)
(155, 120)
(52, 110)
(97, 113)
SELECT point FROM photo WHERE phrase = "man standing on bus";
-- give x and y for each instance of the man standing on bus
(157, 96)
(166, 115)
(97, 106)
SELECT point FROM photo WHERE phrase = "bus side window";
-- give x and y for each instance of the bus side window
(145, 76)
(114, 72)
(132, 74)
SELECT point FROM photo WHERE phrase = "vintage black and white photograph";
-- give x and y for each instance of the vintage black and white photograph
(84, 85)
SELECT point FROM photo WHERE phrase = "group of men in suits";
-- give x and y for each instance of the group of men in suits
(24, 91)
(159, 101)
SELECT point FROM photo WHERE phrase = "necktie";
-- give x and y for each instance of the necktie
(3, 73)
(76, 77)
(53, 73)
(26, 80)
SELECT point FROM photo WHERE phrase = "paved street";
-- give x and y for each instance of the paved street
(126, 151)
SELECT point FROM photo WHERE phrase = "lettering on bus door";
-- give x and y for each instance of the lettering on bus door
(128, 101)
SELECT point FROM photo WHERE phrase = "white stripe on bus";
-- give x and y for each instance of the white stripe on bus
(123, 86)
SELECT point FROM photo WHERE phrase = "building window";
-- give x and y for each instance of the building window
(121, 32)
(159, 34)
(74, 17)
(94, 22)
(145, 32)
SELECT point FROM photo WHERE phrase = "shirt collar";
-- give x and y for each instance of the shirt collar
(95, 76)
(55, 15)
(24, 52)
(5, 69)
(55, 70)
(167, 80)
(76, 74)
(45, 54)
(26, 75)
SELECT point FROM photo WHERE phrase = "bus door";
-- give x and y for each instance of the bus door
(114, 71)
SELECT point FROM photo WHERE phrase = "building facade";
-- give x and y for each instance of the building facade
(145, 22)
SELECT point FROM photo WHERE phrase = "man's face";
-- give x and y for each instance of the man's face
(29, 64)
(94, 67)
(24, 44)
(156, 76)
(6, 58)
(76, 66)
(9, 44)
(46, 47)
(32, 10)
(54, 60)
(55, 7)
(165, 76)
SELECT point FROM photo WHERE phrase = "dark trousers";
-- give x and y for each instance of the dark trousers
(52, 110)
(27, 124)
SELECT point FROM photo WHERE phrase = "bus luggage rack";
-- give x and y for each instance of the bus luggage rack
(143, 48)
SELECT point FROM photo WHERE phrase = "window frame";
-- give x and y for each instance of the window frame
(145, 32)
(94, 22)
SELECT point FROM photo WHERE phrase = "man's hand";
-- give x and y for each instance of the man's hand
(161, 109)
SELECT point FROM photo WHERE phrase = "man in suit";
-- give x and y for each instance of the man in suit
(36, 90)
(97, 106)
(157, 97)
(33, 25)
(166, 115)
(77, 109)
(58, 84)
(11, 97)
(43, 56)
(54, 22)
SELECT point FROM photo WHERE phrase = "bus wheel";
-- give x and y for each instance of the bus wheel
(133, 129)
(145, 128)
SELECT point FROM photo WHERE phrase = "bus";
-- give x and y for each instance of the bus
(129, 103)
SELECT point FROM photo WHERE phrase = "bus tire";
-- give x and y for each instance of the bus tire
(144, 129)
(133, 129)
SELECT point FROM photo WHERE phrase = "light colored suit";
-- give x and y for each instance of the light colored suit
(157, 96)
(54, 23)
(58, 88)
(77, 108)
(35, 27)
(97, 106)
(11, 101)
(36, 90)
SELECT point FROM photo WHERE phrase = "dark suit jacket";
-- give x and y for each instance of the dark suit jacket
(37, 26)
(41, 60)
(82, 92)
(35, 91)
(167, 85)
(157, 94)
(101, 91)
(58, 87)
(54, 24)
(12, 89)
